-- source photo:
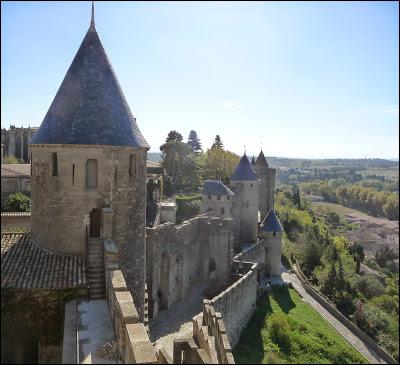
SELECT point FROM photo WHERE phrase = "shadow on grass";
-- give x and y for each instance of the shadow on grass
(283, 298)
(250, 347)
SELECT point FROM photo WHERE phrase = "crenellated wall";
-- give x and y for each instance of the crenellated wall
(238, 302)
(179, 257)
(133, 341)
(254, 253)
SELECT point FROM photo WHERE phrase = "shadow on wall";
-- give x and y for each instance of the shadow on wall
(252, 349)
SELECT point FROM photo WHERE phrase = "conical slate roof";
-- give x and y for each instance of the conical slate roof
(271, 223)
(244, 171)
(253, 161)
(261, 160)
(215, 187)
(89, 107)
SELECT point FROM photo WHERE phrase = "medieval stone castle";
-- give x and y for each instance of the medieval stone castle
(88, 189)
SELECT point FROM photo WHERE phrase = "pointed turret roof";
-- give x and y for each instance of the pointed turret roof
(261, 160)
(244, 171)
(271, 223)
(90, 107)
(253, 161)
(215, 187)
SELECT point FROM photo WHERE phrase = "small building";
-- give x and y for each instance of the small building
(15, 178)
(217, 199)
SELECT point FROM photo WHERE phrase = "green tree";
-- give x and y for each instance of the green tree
(384, 254)
(194, 142)
(357, 253)
(217, 142)
(219, 164)
(391, 208)
(174, 136)
(370, 286)
(17, 202)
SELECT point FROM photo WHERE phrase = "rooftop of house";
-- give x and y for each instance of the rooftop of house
(90, 107)
(215, 187)
(24, 265)
(16, 170)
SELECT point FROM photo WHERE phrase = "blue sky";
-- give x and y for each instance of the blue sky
(305, 79)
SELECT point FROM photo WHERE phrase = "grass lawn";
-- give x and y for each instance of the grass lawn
(311, 340)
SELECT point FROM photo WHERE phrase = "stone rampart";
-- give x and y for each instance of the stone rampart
(238, 302)
(341, 318)
(133, 341)
(254, 253)
(180, 256)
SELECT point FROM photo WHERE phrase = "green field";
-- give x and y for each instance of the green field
(310, 339)
(323, 207)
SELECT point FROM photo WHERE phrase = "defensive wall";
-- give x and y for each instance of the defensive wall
(180, 256)
(254, 253)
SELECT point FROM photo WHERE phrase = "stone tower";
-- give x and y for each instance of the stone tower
(271, 230)
(245, 185)
(267, 176)
(217, 199)
(89, 167)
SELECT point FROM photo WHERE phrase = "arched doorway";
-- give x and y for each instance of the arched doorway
(95, 223)
(163, 292)
(212, 270)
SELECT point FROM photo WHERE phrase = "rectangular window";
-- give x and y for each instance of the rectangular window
(228, 197)
(131, 157)
(31, 163)
(73, 174)
(209, 196)
(91, 174)
(219, 197)
(54, 166)
(116, 173)
(222, 210)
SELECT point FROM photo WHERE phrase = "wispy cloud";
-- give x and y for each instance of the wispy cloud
(230, 104)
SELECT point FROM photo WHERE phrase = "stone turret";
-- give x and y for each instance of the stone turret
(267, 176)
(271, 230)
(89, 167)
(245, 184)
(217, 199)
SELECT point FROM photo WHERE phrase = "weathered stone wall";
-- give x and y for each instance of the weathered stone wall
(12, 220)
(246, 206)
(254, 253)
(273, 244)
(16, 142)
(134, 345)
(262, 174)
(238, 302)
(221, 207)
(61, 203)
(271, 177)
(181, 256)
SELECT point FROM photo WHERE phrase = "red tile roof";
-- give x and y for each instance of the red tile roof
(26, 266)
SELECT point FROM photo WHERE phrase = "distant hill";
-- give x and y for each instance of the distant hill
(154, 156)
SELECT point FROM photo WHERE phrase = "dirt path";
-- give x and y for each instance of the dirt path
(176, 322)
(348, 335)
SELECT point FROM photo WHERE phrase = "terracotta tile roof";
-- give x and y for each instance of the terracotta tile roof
(15, 169)
(26, 266)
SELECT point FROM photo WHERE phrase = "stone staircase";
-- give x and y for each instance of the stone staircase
(96, 273)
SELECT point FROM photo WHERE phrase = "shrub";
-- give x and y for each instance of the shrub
(272, 358)
(188, 207)
(370, 286)
(280, 330)
(17, 202)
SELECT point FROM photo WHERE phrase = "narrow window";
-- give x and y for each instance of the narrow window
(116, 173)
(142, 170)
(209, 196)
(91, 174)
(219, 197)
(222, 210)
(54, 166)
(251, 185)
(73, 174)
(130, 165)
(228, 197)
(209, 209)
(31, 163)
